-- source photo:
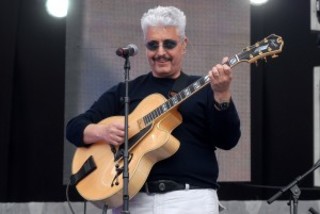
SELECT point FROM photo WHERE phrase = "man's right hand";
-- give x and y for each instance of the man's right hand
(112, 133)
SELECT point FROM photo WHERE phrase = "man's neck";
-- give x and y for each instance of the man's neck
(169, 76)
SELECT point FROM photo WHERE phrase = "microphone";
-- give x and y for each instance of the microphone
(313, 211)
(130, 50)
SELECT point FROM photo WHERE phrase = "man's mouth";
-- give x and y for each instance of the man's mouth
(162, 59)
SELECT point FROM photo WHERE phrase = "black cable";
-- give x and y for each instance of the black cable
(84, 207)
(69, 203)
(105, 209)
(68, 200)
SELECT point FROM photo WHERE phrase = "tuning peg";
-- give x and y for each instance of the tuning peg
(274, 56)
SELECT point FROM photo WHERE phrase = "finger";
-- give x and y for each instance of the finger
(219, 67)
(226, 69)
(114, 143)
(118, 132)
(215, 72)
(116, 140)
(225, 60)
(119, 126)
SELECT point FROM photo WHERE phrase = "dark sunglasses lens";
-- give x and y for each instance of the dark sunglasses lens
(152, 45)
(169, 44)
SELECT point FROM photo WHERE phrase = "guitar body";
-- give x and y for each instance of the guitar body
(155, 145)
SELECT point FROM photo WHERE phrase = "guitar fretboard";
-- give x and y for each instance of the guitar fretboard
(182, 95)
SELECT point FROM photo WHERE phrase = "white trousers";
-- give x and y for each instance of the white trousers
(204, 201)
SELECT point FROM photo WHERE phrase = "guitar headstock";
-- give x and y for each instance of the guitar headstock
(269, 46)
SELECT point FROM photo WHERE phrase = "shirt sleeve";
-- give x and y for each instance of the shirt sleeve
(107, 105)
(224, 125)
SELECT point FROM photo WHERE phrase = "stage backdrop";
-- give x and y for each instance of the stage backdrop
(215, 28)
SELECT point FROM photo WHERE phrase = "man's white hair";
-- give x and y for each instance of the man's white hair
(164, 16)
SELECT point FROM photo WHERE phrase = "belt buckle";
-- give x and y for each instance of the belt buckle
(162, 186)
(187, 186)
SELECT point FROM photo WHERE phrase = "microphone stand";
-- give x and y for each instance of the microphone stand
(295, 190)
(125, 174)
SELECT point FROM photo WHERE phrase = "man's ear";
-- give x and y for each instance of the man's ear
(185, 44)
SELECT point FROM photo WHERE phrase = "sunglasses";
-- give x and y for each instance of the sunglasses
(167, 44)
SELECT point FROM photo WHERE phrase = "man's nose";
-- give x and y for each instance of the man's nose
(161, 49)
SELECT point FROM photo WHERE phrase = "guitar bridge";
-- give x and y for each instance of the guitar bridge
(119, 171)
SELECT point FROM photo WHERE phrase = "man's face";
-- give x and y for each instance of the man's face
(165, 50)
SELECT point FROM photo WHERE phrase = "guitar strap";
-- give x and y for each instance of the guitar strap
(179, 84)
(85, 169)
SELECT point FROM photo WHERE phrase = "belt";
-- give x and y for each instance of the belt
(163, 186)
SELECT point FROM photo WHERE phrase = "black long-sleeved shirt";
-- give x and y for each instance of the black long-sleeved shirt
(202, 131)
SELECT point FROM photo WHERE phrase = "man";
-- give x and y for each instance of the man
(186, 182)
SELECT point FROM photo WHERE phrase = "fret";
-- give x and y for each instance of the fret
(164, 107)
(233, 60)
(191, 88)
(206, 79)
(153, 115)
(174, 100)
(170, 103)
(159, 111)
(187, 92)
(196, 85)
(179, 98)
(182, 95)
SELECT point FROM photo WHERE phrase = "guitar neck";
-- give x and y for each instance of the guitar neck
(183, 95)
